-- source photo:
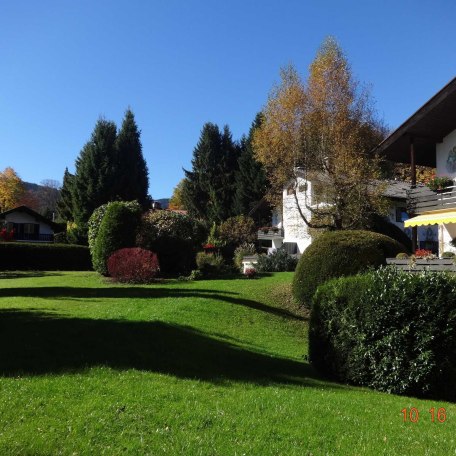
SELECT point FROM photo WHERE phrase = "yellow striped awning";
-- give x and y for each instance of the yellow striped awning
(432, 218)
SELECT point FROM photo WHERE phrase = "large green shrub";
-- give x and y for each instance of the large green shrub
(238, 230)
(98, 214)
(117, 230)
(277, 261)
(388, 329)
(340, 253)
(174, 237)
(15, 256)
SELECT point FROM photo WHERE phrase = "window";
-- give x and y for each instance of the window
(401, 214)
(31, 228)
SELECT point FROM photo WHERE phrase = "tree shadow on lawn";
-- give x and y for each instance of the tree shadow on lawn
(37, 343)
(26, 274)
(145, 293)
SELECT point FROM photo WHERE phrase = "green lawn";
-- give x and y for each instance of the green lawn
(192, 368)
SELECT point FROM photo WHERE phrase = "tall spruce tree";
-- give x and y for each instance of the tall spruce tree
(96, 172)
(65, 203)
(208, 189)
(133, 181)
(251, 182)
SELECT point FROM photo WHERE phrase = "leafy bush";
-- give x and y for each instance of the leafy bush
(340, 253)
(277, 261)
(448, 255)
(44, 257)
(98, 214)
(388, 329)
(76, 234)
(402, 256)
(241, 251)
(210, 263)
(250, 273)
(61, 238)
(133, 265)
(238, 230)
(174, 237)
(117, 231)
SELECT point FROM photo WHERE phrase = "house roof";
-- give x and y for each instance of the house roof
(427, 126)
(31, 212)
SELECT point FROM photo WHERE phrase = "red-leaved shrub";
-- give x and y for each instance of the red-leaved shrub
(133, 265)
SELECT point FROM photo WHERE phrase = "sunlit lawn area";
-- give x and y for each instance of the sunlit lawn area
(194, 368)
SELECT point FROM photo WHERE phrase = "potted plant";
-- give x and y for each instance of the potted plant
(439, 183)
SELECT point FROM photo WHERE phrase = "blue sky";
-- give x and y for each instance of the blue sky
(179, 64)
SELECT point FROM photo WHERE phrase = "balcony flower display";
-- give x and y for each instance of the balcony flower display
(439, 183)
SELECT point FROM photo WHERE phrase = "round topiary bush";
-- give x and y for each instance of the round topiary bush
(337, 254)
(117, 230)
(133, 265)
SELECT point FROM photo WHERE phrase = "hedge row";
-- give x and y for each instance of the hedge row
(44, 257)
(389, 330)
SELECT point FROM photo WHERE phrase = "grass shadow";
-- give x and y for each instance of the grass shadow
(36, 343)
(145, 293)
(26, 274)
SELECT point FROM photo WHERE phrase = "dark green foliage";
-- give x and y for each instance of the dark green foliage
(18, 256)
(208, 189)
(96, 172)
(174, 237)
(388, 329)
(133, 181)
(97, 217)
(383, 226)
(448, 255)
(340, 253)
(238, 230)
(251, 182)
(278, 261)
(65, 207)
(117, 230)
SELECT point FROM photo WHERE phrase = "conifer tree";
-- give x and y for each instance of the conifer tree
(132, 182)
(96, 172)
(208, 189)
(65, 203)
(251, 183)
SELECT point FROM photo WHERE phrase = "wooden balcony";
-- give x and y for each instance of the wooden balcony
(422, 199)
(270, 233)
(30, 237)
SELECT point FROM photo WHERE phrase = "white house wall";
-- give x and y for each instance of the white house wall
(23, 217)
(294, 226)
(446, 156)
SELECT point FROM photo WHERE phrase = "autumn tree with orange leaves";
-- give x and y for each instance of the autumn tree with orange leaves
(323, 131)
(11, 189)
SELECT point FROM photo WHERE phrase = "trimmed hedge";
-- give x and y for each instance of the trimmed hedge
(337, 254)
(18, 256)
(117, 230)
(389, 330)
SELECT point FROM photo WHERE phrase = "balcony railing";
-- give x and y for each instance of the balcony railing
(422, 199)
(33, 237)
(270, 233)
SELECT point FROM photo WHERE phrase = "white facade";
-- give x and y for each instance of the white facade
(296, 230)
(446, 166)
(24, 218)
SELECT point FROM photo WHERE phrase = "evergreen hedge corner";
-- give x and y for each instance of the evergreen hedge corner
(337, 254)
(390, 330)
(117, 230)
